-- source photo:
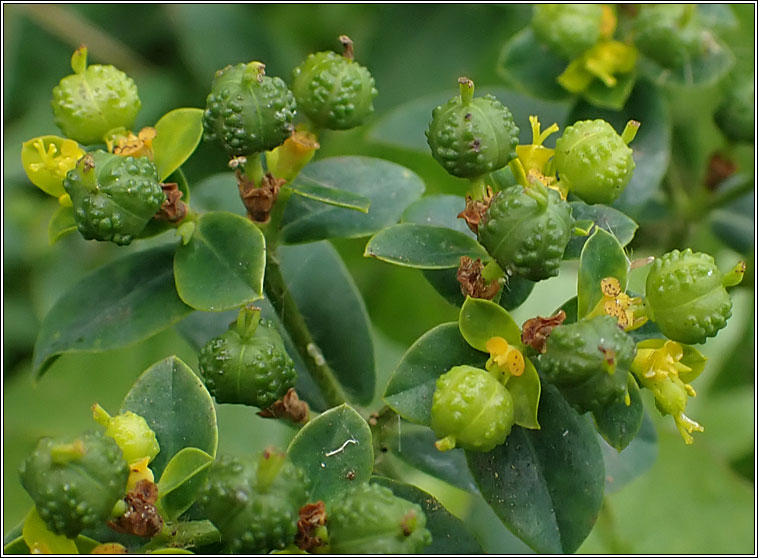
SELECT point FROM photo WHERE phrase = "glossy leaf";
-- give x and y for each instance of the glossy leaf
(602, 256)
(706, 67)
(121, 303)
(177, 135)
(181, 480)
(212, 272)
(613, 98)
(176, 405)
(16, 546)
(481, 320)
(605, 217)
(734, 223)
(423, 246)
(335, 313)
(218, 192)
(546, 485)
(618, 423)
(388, 186)
(449, 534)
(634, 460)
(439, 210)
(335, 451)
(314, 190)
(411, 387)
(61, 223)
(42, 540)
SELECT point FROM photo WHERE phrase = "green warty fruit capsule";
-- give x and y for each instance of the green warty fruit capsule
(254, 505)
(370, 519)
(114, 197)
(94, 100)
(247, 364)
(685, 296)
(333, 90)
(736, 114)
(568, 29)
(75, 483)
(247, 111)
(131, 432)
(471, 410)
(593, 161)
(471, 136)
(525, 234)
(668, 33)
(588, 361)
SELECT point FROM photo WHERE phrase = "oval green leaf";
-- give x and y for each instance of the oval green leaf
(61, 223)
(314, 190)
(439, 210)
(449, 534)
(181, 480)
(177, 135)
(618, 423)
(635, 460)
(335, 313)
(600, 95)
(423, 246)
(335, 451)
(546, 485)
(222, 265)
(176, 405)
(602, 256)
(526, 390)
(389, 186)
(123, 302)
(36, 533)
(480, 320)
(604, 217)
(411, 387)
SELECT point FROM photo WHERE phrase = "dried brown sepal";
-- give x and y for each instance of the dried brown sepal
(475, 210)
(290, 406)
(312, 516)
(472, 282)
(141, 518)
(259, 200)
(347, 44)
(536, 330)
(719, 169)
(173, 209)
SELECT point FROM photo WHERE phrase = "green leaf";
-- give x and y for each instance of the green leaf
(314, 190)
(529, 66)
(177, 135)
(613, 98)
(439, 210)
(16, 546)
(36, 534)
(634, 460)
(734, 223)
(121, 303)
(708, 66)
(176, 405)
(617, 423)
(388, 186)
(411, 387)
(335, 313)
(602, 256)
(449, 534)
(218, 192)
(546, 485)
(480, 320)
(181, 480)
(423, 246)
(608, 218)
(222, 265)
(335, 451)
(61, 223)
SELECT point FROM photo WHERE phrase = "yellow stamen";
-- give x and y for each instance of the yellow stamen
(506, 357)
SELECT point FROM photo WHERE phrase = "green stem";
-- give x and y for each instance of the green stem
(254, 168)
(630, 131)
(466, 87)
(477, 189)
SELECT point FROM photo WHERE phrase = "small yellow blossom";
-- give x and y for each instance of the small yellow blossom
(128, 144)
(603, 61)
(138, 470)
(505, 360)
(617, 303)
(47, 160)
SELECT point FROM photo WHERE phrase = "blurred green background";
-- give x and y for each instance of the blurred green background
(695, 499)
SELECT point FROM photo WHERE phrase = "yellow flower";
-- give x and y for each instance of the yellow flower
(47, 159)
(138, 470)
(603, 61)
(505, 360)
(128, 144)
(628, 311)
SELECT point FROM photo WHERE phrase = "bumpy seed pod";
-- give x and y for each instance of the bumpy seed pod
(254, 505)
(588, 361)
(248, 363)
(471, 137)
(247, 111)
(593, 161)
(668, 33)
(131, 432)
(685, 296)
(568, 29)
(736, 114)
(75, 482)
(334, 91)
(471, 410)
(114, 197)
(370, 519)
(94, 100)
(526, 231)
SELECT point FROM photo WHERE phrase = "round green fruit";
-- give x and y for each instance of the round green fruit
(248, 112)
(75, 483)
(568, 29)
(685, 296)
(736, 114)
(668, 33)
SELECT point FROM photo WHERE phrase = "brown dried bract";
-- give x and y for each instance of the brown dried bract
(471, 280)
(259, 200)
(719, 169)
(312, 516)
(290, 406)
(536, 330)
(347, 44)
(173, 209)
(475, 210)
(141, 517)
